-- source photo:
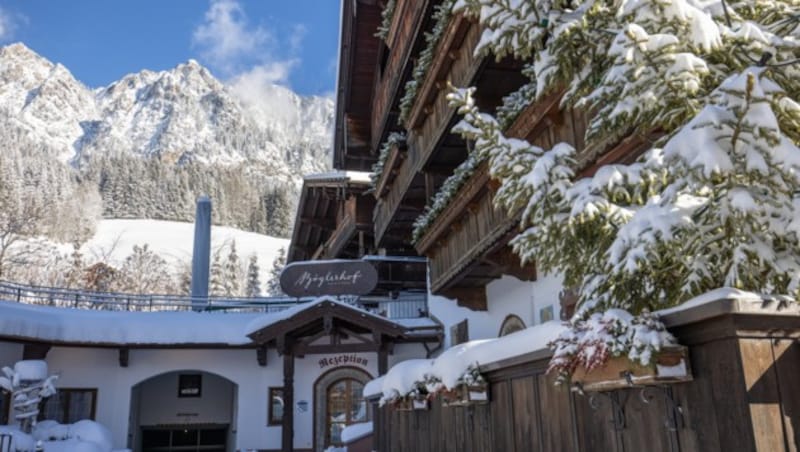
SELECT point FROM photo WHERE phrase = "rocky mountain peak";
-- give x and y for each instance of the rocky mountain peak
(177, 115)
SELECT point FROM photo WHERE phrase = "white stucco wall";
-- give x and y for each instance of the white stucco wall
(99, 368)
(81, 367)
(504, 296)
(160, 404)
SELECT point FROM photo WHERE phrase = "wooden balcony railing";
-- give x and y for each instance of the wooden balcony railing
(454, 61)
(397, 154)
(404, 31)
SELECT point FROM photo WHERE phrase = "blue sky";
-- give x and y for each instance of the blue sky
(289, 42)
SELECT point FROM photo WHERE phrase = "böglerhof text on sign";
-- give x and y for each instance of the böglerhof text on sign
(336, 277)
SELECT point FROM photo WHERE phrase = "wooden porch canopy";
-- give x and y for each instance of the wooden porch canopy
(333, 217)
(348, 330)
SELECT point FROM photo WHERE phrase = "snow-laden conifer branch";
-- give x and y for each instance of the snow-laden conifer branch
(386, 20)
(377, 169)
(441, 19)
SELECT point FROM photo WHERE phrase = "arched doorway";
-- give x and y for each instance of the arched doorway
(183, 411)
(339, 402)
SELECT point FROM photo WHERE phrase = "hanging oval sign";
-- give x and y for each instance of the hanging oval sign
(338, 277)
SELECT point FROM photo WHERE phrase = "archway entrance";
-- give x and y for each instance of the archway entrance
(184, 411)
(339, 397)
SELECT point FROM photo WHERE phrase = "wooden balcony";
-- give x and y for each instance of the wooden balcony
(396, 156)
(394, 65)
(467, 245)
(432, 149)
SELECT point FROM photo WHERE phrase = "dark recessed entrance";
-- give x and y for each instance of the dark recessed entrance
(188, 438)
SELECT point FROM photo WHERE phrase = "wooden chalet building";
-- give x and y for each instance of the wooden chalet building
(476, 287)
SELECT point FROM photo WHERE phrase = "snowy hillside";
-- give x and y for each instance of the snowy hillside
(173, 241)
(180, 115)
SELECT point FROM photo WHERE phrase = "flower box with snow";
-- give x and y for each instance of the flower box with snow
(463, 395)
(671, 365)
(411, 403)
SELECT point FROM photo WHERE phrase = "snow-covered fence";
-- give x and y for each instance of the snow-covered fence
(744, 359)
(406, 305)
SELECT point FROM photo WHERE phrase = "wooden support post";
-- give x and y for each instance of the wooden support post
(261, 355)
(287, 431)
(430, 186)
(383, 360)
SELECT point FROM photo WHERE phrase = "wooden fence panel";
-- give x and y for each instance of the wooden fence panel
(787, 367)
(525, 407)
(555, 415)
(501, 412)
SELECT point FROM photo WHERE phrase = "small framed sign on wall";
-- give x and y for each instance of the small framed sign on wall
(190, 385)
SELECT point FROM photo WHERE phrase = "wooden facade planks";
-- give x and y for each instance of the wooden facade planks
(744, 397)
(423, 140)
(404, 33)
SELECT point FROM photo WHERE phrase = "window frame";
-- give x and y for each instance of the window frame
(65, 394)
(185, 383)
(271, 419)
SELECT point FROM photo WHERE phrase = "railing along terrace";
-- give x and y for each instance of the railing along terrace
(400, 306)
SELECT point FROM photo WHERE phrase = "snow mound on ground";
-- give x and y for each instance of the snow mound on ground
(174, 241)
(82, 436)
(356, 431)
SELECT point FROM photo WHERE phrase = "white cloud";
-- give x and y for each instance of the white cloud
(8, 24)
(225, 36)
(299, 32)
(248, 55)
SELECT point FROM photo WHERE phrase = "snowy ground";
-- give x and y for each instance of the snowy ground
(172, 240)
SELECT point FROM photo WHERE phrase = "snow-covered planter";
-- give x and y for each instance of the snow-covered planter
(441, 17)
(615, 349)
(386, 20)
(472, 388)
(394, 139)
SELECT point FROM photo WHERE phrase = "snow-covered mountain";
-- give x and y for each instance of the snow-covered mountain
(181, 115)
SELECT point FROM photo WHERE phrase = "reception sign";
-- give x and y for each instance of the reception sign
(339, 277)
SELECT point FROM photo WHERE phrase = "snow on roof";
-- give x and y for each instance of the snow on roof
(723, 293)
(356, 431)
(373, 388)
(451, 365)
(85, 326)
(267, 320)
(353, 176)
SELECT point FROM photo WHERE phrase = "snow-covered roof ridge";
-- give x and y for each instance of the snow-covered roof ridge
(269, 319)
(725, 300)
(359, 177)
(451, 366)
(81, 326)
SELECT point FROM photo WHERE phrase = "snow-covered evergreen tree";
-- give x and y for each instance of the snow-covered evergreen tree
(713, 204)
(216, 285)
(274, 286)
(74, 278)
(253, 288)
(233, 273)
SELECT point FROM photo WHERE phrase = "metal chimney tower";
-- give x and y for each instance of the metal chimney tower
(201, 255)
